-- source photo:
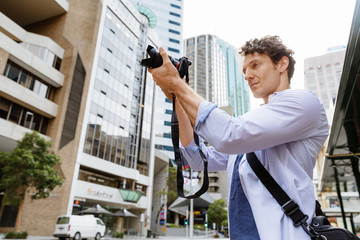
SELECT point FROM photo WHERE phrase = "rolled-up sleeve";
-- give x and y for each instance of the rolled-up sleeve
(204, 110)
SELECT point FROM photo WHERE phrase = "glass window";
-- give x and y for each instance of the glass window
(174, 50)
(63, 220)
(174, 22)
(175, 6)
(14, 72)
(50, 58)
(26, 79)
(167, 135)
(174, 31)
(26, 121)
(174, 40)
(175, 14)
(7, 66)
(57, 63)
(40, 88)
(4, 107)
(36, 122)
(44, 125)
(15, 113)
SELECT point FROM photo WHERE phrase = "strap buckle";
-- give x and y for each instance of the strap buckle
(311, 231)
(290, 207)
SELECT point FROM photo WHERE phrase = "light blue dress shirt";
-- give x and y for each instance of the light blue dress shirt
(286, 134)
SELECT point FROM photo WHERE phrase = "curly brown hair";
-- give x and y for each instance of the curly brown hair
(273, 47)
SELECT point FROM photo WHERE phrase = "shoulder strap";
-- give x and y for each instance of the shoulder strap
(289, 207)
(179, 158)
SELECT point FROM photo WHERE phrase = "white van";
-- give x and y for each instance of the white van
(77, 227)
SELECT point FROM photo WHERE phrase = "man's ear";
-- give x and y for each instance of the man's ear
(283, 64)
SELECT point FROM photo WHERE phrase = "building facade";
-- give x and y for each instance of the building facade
(168, 24)
(323, 73)
(335, 174)
(167, 21)
(215, 74)
(71, 71)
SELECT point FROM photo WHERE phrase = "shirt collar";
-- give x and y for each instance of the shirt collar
(272, 96)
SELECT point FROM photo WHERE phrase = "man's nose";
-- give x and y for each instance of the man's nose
(248, 75)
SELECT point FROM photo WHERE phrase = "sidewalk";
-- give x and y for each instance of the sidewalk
(125, 238)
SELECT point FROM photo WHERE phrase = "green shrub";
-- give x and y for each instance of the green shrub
(199, 227)
(118, 235)
(172, 225)
(16, 235)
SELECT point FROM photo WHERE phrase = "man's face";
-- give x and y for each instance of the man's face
(262, 74)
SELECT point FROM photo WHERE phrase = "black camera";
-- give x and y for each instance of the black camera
(155, 60)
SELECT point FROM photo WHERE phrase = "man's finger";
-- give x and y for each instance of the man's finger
(163, 54)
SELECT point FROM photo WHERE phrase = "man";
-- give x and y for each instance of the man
(286, 133)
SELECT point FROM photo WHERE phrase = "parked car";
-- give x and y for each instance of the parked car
(77, 227)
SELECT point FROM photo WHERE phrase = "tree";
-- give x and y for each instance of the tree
(217, 212)
(171, 184)
(29, 165)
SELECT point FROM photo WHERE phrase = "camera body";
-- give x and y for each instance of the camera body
(155, 60)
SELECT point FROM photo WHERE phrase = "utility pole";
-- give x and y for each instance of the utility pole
(206, 224)
(191, 209)
(186, 224)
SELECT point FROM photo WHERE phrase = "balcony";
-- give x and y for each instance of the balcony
(27, 98)
(10, 133)
(28, 12)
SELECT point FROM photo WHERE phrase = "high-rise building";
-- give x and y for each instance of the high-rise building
(322, 74)
(168, 24)
(70, 70)
(216, 75)
(167, 21)
(238, 90)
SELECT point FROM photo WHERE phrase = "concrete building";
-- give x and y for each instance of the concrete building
(215, 74)
(70, 70)
(322, 74)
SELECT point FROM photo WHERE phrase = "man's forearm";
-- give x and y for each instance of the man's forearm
(185, 129)
(189, 100)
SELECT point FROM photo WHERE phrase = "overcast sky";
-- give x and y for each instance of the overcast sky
(309, 27)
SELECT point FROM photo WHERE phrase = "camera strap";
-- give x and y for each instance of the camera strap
(290, 208)
(179, 159)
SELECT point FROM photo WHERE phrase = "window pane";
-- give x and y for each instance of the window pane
(43, 90)
(22, 79)
(4, 107)
(44, 125)
(26, 121)
(36, 123)
(13, 73)
(15, 113)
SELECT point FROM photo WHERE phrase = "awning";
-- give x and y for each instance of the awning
(181, 205)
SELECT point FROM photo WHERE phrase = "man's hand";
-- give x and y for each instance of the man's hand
(168, 79)
(166, 76)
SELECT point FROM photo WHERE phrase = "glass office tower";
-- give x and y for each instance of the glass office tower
(168, 24)
(216, 75)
